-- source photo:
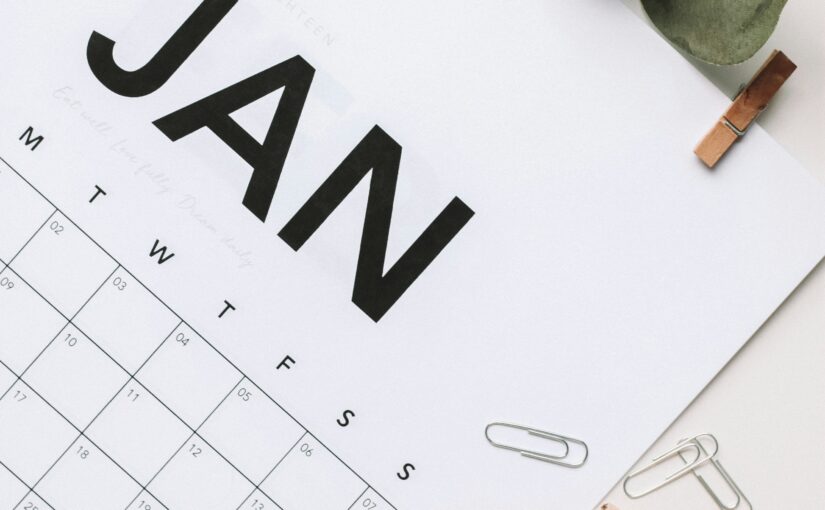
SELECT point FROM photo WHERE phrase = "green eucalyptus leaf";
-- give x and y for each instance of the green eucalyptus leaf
(716, 31)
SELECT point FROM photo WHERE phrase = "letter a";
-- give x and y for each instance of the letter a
(267, 160)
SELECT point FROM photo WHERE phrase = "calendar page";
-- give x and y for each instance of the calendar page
(298, 254)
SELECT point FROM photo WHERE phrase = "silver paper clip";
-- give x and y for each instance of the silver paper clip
(693, 453)
(560, 460)
(692, 445)
(737, 492)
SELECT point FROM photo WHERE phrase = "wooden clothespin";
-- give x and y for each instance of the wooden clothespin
(745, 108)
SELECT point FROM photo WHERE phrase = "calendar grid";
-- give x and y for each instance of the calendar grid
(81, 435)
(83, 432)
(135, 377)
(132, 377)
(69, 321)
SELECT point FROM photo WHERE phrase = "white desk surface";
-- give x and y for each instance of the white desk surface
(767, 407)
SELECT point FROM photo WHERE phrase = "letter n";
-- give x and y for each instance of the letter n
(267, 160)
(375, 292)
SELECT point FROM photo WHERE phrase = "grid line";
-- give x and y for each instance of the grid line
(23, 482)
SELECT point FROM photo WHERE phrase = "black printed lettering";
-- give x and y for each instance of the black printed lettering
(30, 139)
(267, 159)
(375, 292)
(161, 252)
(152, 76)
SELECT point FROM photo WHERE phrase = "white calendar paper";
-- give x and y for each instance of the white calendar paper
(205, 305)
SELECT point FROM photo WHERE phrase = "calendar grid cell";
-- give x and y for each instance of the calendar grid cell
(258, 485)
(68, 322)
(7, 264)
(195, 434)
(188, 439)
(135, 376)
(19, 376)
